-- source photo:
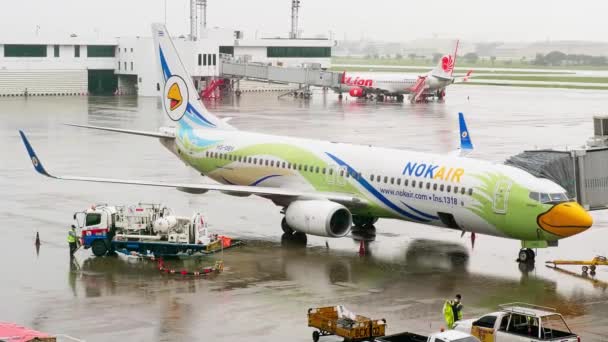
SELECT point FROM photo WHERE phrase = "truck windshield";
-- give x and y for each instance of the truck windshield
(93, 219)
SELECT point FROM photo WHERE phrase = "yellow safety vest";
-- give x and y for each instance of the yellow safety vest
(71, 237)
(448, 314)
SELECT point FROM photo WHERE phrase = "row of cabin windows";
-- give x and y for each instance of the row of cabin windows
(398, 81)
(279, 164)
(421, 184)
(342, 173)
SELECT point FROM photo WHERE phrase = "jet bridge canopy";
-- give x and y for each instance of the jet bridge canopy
(307, 76)
(583, 173)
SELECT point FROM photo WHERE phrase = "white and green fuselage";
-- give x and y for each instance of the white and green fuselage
(446, 191)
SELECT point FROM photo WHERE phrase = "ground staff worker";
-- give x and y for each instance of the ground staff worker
(452, 311)
(72, 240)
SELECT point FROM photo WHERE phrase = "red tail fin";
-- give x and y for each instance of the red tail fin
(455, 56)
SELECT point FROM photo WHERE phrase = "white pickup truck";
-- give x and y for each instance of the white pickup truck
(519, 322)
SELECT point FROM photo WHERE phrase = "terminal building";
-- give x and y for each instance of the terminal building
(76, 66)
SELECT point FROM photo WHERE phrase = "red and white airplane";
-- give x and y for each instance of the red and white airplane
(418, 87)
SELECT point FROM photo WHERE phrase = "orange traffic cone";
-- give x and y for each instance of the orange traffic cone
(361, 248)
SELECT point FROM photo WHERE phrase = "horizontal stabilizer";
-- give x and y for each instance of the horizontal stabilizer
(127, 131)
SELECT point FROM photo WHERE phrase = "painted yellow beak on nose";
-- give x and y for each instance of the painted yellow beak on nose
(565, 219)
(175, 96)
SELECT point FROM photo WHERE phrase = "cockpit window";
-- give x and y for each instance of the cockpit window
(535, 196)
(544, 198)
(548, 198)
(559, 197)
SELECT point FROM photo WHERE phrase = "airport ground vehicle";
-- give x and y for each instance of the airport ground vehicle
(146, 229)
(336, 320)
(519, 322)
(586, 264)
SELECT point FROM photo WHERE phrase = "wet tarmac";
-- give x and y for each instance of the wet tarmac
(269, 284)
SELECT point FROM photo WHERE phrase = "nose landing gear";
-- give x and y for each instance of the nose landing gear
(526, 255)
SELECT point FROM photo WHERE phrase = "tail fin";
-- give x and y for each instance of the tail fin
(180, 98)
(465, 138)
(445, 67)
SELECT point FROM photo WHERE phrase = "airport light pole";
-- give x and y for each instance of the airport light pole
(202, 4)
(193, 19)
(295, 6)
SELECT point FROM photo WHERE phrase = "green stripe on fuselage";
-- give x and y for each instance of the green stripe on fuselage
(519, 218)
(290, 154)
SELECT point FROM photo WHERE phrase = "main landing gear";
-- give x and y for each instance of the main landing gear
(286, 228)
(526, 255)
(291, 238)
(363, 226)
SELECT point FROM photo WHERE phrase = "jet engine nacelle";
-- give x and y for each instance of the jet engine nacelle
(357, 92)
(319, 217)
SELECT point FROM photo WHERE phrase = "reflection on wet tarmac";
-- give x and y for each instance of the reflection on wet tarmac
(408, 270)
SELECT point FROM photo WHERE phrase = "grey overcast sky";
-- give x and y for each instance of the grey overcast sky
(399, 20)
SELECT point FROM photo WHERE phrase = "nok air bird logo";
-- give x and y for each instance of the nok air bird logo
(175, 99)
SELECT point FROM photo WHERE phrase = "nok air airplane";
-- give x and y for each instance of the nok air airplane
(325, 188)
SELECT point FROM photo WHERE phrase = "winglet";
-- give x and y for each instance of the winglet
(35, 161)
(466, 145)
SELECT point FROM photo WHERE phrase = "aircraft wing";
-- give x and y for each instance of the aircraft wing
(462, 79)
(268, 192)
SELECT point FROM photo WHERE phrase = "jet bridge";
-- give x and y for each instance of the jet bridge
(306, 76)
(582, 172)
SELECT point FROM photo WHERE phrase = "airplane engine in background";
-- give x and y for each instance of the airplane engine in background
(357, 92)
(318, 217)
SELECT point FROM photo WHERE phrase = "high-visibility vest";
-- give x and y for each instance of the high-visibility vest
(448, 313)
(71, 237)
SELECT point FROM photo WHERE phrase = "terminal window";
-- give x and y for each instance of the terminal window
(76, 51)
(18, 50)
(298, 51)
(228, 50)
(56, 50)
(100, 51)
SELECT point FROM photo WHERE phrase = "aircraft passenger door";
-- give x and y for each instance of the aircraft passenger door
(341, 176)
(501, 196)
(330, 176)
